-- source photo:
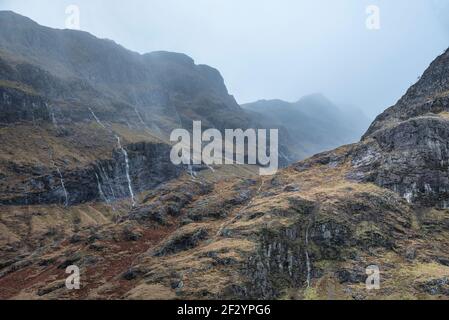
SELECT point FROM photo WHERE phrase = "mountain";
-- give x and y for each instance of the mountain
(85, 180)
(311, 125)
(164, 89)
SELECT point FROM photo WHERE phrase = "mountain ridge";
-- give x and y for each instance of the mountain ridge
(312, 124)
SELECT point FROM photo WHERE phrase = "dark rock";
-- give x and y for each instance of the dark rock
(177, 284)
(131, 274)
(72, 260)
(182, 242)
(50, 288)
(443, 261)
(131, 234)
(292, 188)
(435, 286)
(351, 276)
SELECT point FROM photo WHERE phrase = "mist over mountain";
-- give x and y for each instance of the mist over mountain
(313, 124)
(165, 90)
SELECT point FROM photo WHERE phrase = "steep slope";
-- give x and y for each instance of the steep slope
(311, 125)
(406, 148)
(100, 73)
(59, 89)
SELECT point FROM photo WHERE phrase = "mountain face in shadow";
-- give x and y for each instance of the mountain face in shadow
(163, 89)
(311, 125)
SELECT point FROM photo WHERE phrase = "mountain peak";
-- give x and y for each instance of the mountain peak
(315, 97)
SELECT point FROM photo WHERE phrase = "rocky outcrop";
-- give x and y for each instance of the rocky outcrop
(411, 158)
(406, 149)
(105, 180)
(19, 105)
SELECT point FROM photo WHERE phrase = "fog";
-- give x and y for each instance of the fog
(281, 49)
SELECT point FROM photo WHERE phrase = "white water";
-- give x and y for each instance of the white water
(96, 118)
(101, 190)
(191, 172)
(66, 203)
(125, 153)
(52, 115)
(147, 129)
(309, 269)
(409, 197)
(105, 177)
(53, 119)
(140, 117)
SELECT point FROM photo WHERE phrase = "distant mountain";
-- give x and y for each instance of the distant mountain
(311, 125)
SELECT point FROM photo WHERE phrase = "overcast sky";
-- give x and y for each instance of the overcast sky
(282, 49)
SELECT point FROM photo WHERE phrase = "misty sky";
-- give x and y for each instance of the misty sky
(276, 48)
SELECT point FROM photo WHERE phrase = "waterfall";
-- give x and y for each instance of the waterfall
(409, 197)
(100, 191)
(139, 117)
(191, 172)
(309, 268)
(96, 118)
(66, 203)
(147, 129)
(106, 178)
(125, 154)
(52, 116)
(53, 119)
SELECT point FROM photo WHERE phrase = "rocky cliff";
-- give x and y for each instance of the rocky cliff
(406, 148)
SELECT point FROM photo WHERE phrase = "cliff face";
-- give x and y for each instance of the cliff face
(71, 104)
(77, 67)
(406, 148)
(146, 164)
